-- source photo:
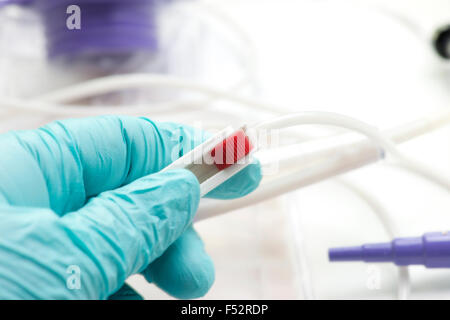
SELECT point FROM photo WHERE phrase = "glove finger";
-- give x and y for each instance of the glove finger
(126, 293)
(119, 233)
(67, 162)
(185, 270)
(239, 185)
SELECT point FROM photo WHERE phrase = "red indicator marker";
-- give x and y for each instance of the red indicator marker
(231, 150)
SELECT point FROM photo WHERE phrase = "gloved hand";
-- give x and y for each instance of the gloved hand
(82, 207)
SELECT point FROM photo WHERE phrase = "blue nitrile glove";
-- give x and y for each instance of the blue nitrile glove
(82, 207)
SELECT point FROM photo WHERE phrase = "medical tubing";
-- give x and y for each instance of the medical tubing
(104, 85)
(107, 84)
(330, 119)
(349, 158)
(46, 103)
(288, 182)
(398, 135)
(119, 82)
(391, 228)
(250, 63)
(404, 283)
(92, 110)
(305, 280)
(132, 81)
(327, 118)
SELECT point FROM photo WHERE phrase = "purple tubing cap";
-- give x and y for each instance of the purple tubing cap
(107, 27)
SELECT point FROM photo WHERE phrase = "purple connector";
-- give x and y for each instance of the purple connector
(18, 2)
(106, 26)
(431, 250)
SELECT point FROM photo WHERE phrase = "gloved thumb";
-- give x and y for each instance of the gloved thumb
(120, 232)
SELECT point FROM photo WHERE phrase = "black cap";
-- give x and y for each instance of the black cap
(442, 42)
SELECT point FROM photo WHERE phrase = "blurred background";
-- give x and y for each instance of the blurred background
(373, 60)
